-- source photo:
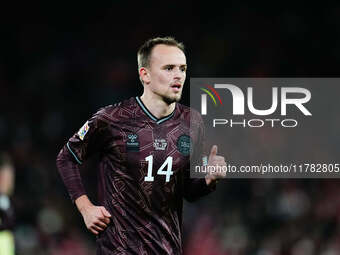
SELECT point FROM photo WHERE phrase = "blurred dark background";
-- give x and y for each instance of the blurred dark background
(60, 62)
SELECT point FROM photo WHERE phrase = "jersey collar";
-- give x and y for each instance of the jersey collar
(150, 115)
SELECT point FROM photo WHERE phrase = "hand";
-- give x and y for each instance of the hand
(215, 160)
(96, 218)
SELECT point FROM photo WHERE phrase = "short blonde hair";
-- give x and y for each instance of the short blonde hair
(144, 52)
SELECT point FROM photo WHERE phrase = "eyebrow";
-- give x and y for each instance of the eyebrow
(172, 65)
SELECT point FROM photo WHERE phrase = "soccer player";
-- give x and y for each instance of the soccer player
(145, 144)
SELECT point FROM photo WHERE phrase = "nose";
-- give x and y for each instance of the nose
(179, 74)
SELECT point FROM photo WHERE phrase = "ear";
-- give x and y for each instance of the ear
(144, 75)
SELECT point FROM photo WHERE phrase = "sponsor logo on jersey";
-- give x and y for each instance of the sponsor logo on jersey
(83, 130)
(160, 144)
(132, 144)
(184, 145)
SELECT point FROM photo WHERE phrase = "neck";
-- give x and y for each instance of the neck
(157, 106)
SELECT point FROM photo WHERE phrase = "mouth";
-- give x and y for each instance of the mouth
(176, 86)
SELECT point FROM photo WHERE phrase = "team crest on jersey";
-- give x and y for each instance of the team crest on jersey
(83, 130)
(160, 144)
(132, 144)
(184, 145)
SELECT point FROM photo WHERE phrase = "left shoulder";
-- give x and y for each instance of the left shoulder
(187, 112)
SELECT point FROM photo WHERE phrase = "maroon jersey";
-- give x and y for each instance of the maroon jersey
(144, 174)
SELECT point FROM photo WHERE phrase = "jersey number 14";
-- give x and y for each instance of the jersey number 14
(167, 163)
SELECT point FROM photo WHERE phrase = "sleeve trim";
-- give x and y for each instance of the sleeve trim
(74, 155)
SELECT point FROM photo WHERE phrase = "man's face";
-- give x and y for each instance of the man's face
(167, 72)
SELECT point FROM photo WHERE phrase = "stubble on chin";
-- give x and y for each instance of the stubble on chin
(174, 99)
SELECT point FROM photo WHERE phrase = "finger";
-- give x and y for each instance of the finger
(101, 224)
(105, 212)
(94, 231)
(213, 151)
(217, 175)
(219, 158)
(218, 163)
(221, 163)
(107, 220)
(221, 175)
(97, 228)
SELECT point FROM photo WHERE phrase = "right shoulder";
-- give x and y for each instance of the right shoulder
(116, 111)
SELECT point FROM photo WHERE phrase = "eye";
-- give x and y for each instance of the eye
(169, 68)
(183, 69)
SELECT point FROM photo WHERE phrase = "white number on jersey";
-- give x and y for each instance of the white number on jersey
(167, 173)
